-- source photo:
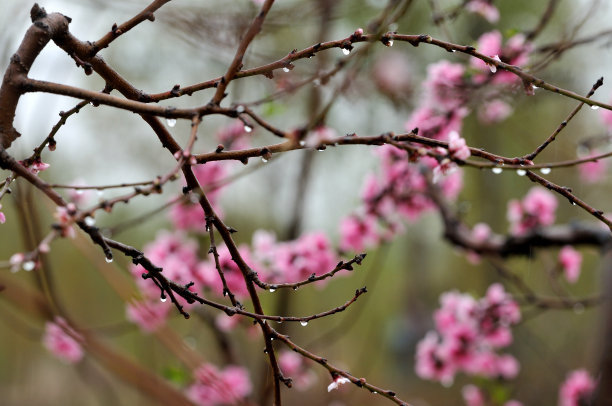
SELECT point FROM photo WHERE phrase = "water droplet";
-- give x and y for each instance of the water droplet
(316, 82)
(390, 43)
(79, 192)
(280, 321)
(304, 323)
(171, 122)
(108, 259)
(272, 290)
(497, 170)
(264, 160)
(594, 107)
(240, 109)
(207, 228)
(295, 287)
(163, 299)
(100, 193)
(493, 68)
(453, 50)
(248, 128)
(545, 171)
(302, 143)
(535, 87)
(29, 265)
(573, 203)
(346, 51)
(374, 392)
(286, 69)
(521, 172)
(90, 221)
(578, 308)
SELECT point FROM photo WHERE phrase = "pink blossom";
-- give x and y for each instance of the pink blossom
(494, 111)
(215, 387)
(577, 389)
(435, 124)
(2, 217)
(457, 146)
(430, 362)
(173, 252)
(483, 7)
(489, 44)
(473, 396)
(358, 233)
(516, 52)
(62, 341)
(208, 274)
(481, 232)
(149, 316)
(536, 209)
(444, 85)
(64, 216)
(338, 380)
(594, 171)
(37, 166)
(16, 260)
(570, 261)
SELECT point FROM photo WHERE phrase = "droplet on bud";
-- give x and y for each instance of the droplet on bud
(163, 299)
(248, 128)
(272, 290)
(29, 265)
(286, 69)
(90, 221)
(171, 122)
(346, 51)
(594, 107)
(389, 43)
(545, 171)
(521, 172)
(304, 323)
(108, 259)
(497, 170)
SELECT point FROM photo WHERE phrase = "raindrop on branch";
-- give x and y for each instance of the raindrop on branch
(171, 122)
(545, 171)
(346, 51)
(497, 170)
(272, 290)
(286, 69)
(90, 221)
(108, 259)
(248, 128)
(521, 172)
(163, 299)
(594, 107)
(304, 323)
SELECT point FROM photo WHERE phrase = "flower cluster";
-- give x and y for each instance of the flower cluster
(484, 8)
(62, 341)
(468, 333)
(536, 209)
(219, 387)
(475, 396)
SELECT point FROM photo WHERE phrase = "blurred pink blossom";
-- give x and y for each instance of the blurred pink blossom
(294, 366)
(2, 217)
(219, 387)
(358, 232)
(444, 87)
(457, 146)
(62, 341)
(473, 396)
(483, 7)
(577, 389)
(570, 261)
(149, 316)
(494, 111)
(592, 172)
(392, 75)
